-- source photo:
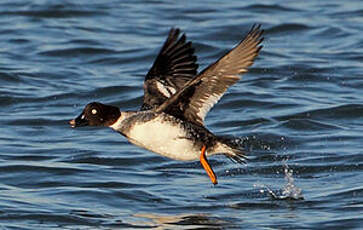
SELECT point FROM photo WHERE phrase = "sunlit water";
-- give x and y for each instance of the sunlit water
(301, 101)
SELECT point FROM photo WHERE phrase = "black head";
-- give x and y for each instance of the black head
(96, 114)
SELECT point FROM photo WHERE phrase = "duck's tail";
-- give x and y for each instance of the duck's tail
(230, 149)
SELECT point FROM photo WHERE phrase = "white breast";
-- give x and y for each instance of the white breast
(165, 138)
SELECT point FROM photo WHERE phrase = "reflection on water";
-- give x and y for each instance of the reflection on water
(183, 221)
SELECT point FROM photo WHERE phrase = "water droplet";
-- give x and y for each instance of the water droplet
(289, 191)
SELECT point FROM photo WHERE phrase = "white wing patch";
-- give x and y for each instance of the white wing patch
(167, 91)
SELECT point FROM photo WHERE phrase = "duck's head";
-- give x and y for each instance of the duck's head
(96, 114)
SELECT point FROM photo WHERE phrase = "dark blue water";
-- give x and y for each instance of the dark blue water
(298, 112)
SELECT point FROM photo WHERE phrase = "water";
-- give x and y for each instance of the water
(289, 192)
(301, 102)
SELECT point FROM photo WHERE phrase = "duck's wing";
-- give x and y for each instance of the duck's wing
(174, 66)
(197, 97)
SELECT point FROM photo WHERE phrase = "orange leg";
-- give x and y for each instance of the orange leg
(206, 166)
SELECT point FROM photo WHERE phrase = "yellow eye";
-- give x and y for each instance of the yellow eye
(94, 111)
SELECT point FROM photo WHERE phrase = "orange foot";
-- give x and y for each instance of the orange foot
(206, 166)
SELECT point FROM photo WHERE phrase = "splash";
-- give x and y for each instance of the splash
(289, 192)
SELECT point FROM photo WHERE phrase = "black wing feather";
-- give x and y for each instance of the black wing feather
(174, 66)
(193, 101)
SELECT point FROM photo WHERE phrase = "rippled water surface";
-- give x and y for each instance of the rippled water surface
(298, 113)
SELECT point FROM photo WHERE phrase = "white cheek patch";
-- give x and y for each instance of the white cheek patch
(82, 117)
(94, 111)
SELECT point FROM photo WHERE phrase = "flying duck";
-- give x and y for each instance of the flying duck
(170, 122)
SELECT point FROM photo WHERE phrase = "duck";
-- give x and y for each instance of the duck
(170, 121)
